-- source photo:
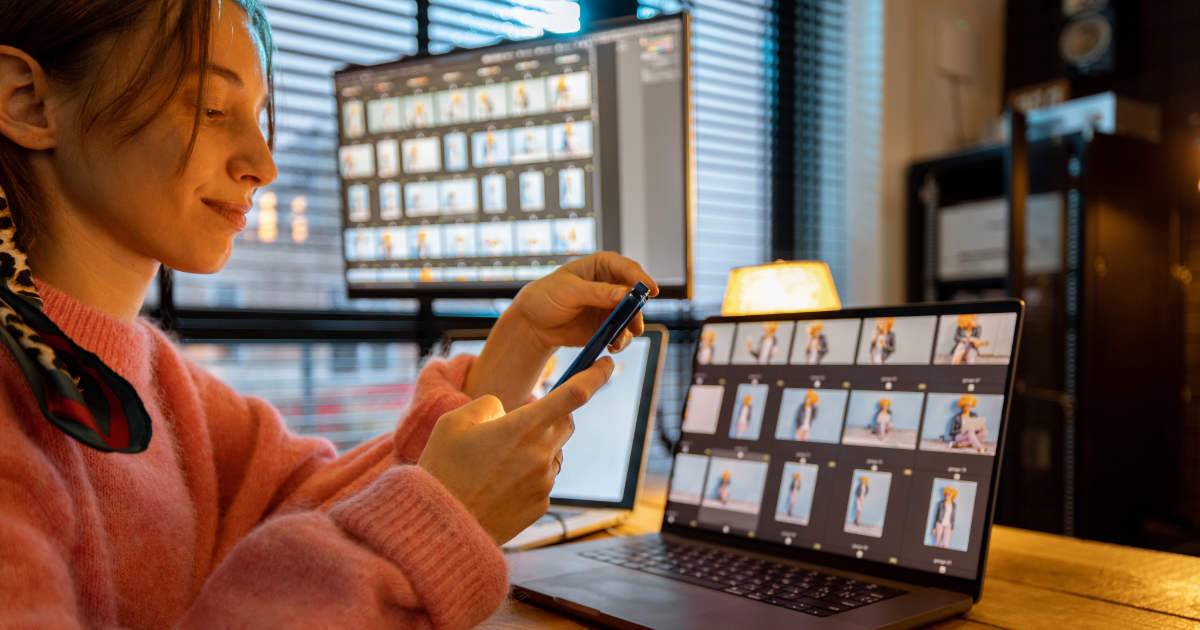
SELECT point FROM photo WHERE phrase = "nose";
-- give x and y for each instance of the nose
(254, 163)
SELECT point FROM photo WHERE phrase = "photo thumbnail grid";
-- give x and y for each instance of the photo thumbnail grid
(425, 162)
(744, 396)
(453, 106)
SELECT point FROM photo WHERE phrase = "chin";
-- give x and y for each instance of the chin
(200, 262)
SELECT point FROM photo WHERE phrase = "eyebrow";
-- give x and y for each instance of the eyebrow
(232, 77)
(227, 74)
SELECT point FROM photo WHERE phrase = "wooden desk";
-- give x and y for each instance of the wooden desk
(1034, 580)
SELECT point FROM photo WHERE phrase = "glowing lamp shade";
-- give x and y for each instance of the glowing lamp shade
(780, 287)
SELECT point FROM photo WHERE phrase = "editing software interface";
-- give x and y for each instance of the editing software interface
(492, 167)
(873, 438)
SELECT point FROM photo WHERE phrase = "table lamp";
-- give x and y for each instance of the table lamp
(780, 287)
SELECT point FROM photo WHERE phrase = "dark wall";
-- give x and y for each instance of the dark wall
(1158, 61)
(1158, 52)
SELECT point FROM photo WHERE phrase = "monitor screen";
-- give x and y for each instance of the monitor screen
(480, 170)
(873, 437)
(596, 460)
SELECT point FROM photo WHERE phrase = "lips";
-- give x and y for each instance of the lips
(233, 211)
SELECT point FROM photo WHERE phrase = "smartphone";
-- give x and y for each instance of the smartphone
(630, 305)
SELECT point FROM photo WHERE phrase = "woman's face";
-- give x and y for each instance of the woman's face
(134, 189)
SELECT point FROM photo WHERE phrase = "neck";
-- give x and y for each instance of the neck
(87, 263)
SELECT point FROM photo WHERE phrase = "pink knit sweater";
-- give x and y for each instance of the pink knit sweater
(228, 520)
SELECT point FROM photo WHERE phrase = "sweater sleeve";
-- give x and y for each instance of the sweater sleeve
(401, 553)
(37, 531)
(261, 467)
(311, 538)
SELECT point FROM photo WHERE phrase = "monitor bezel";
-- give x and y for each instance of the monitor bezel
(908, 575)
(495, 290)
(639, 452)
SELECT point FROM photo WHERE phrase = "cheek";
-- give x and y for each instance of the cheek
(151, 173)
(131, 182)
(137, 193)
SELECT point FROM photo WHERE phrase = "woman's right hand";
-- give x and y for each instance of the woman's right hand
(502, 466)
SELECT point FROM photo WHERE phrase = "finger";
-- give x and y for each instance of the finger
(622, 341)
(564, 400)
(480, 410)
(638, 325)
(580, 292)
(610, 267)
(560, 431)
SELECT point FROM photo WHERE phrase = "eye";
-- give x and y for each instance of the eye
(213, 114)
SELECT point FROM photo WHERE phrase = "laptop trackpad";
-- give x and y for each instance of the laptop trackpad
(649, 600)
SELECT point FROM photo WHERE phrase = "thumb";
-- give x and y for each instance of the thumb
(564, 400)
(482, 409)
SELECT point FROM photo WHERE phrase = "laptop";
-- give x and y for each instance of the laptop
(835, 470)
(604, 460)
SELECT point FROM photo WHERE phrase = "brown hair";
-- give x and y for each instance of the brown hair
(67, 36)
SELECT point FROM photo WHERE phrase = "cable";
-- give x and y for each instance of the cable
(561, 521)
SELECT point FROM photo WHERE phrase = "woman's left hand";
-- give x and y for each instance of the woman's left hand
(565, 308)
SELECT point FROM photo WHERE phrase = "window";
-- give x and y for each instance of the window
(380, 357)
(320, 388)
(837, 108)
(344, 358)
(474, 23)
(733, 67)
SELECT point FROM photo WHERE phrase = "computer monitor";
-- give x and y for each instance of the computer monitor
(471, 173)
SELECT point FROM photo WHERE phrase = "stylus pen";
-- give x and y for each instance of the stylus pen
(630, 305)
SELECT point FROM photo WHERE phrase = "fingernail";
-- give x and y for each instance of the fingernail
(618, 294)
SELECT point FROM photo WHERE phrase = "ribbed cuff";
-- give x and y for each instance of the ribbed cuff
(409, 517)
(439, 391)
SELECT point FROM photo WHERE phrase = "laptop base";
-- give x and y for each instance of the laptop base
(562, 579)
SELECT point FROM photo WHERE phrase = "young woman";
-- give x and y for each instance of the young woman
(818, 344)
(724, 487)
(806, 415)
(860, 498)
(883, 340)
(967, 428)
(883, 419)
(137, 490)
(943, 520)
(764, 350)
(707, 347)
(968, 339)
(794, 493)
(744, 414)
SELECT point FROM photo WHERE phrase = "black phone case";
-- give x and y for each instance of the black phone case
(607, 334)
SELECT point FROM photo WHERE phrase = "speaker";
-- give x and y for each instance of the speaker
(1087, 42)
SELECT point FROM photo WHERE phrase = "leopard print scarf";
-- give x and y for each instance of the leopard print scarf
(75, 390)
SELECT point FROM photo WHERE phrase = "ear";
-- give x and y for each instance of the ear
(25, 113)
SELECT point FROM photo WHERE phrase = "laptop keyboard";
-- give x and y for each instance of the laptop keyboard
(811, 592)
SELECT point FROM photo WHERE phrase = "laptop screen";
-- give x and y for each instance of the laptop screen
(596, 460)
(873, 437)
